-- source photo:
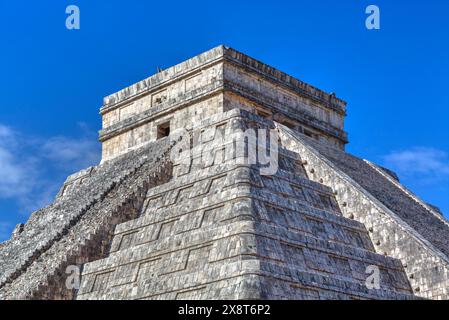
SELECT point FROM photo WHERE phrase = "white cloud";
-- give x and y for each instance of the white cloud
(5, 132)
(72, 153)
(32, 169)
(13, 177)
(419, 161)
(13, 170)
(5, 230)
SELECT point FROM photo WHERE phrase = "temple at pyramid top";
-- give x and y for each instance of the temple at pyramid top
(215, 82)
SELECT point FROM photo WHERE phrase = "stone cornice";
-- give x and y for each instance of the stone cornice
(300, 116)
(282, 79)
(158, 111)
(215, 55)
(204, 93)
(162, 79)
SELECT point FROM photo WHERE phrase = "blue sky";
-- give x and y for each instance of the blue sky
(52, 80)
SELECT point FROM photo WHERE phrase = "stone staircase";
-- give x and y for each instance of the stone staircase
(399, 226)
(87, 234)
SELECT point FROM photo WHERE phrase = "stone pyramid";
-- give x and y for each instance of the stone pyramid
(224, 178)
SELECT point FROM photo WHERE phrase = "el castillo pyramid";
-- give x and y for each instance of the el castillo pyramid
(175, 210)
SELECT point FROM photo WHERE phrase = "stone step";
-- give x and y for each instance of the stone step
(256, 279)
(174, 252)
(224, 208)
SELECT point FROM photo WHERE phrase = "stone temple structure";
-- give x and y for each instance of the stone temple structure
(157, 220)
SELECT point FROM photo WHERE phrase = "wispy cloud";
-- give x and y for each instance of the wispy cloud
(5, 230)
(14, 169)
(33, 168)
(71, 153)
(424, 170)
(5, 132)
(419, 161)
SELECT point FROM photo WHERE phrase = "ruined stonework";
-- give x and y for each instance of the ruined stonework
(171, 216)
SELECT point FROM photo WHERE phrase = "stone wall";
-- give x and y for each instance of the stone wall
(167, 93)
(137, 135)
(255, 87)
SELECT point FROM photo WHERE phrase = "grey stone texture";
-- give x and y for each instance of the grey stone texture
(150, 222)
